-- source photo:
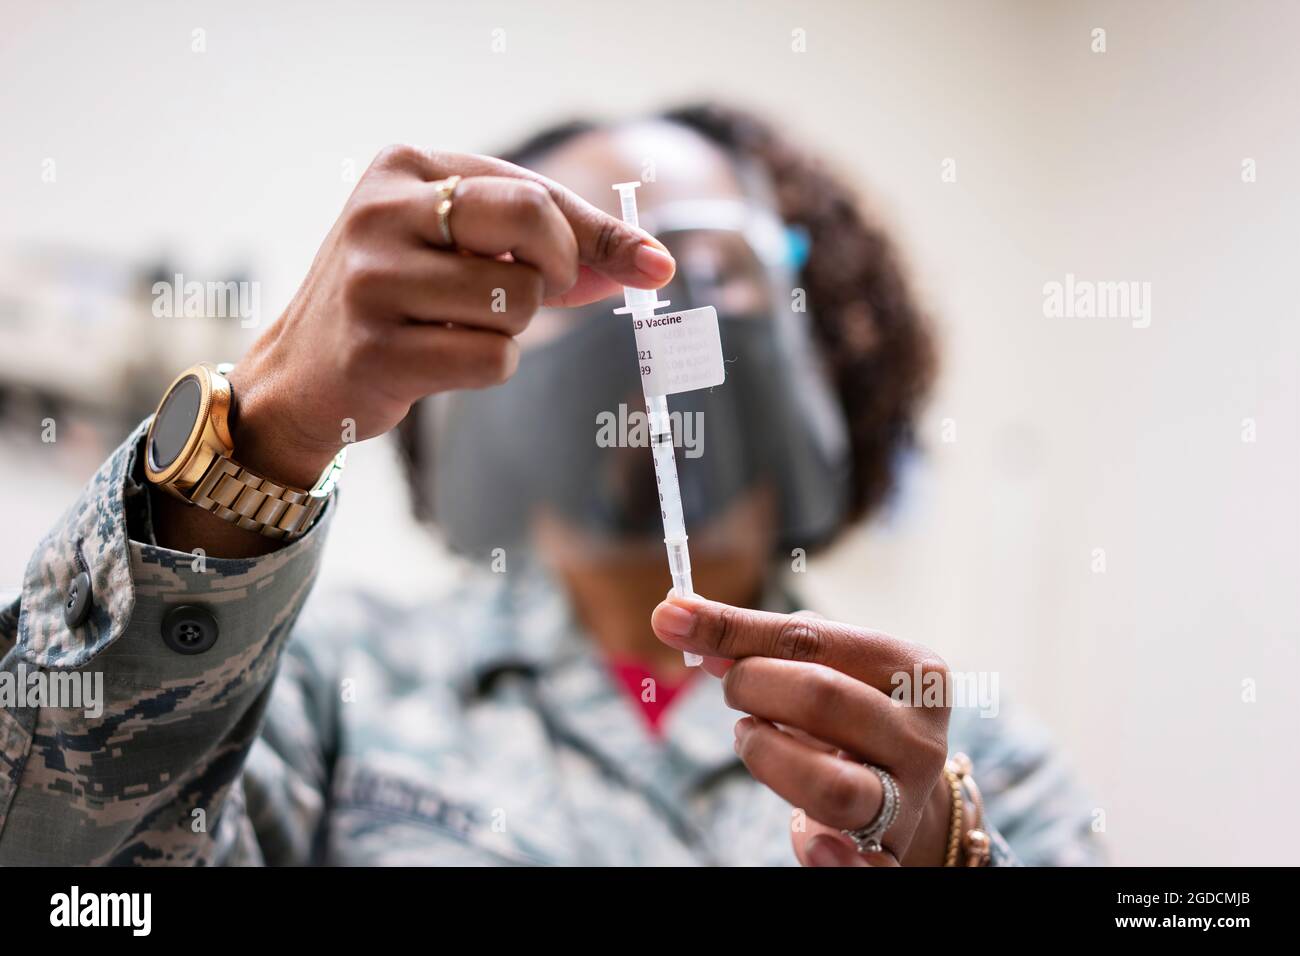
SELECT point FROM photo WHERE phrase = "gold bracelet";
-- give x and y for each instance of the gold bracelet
(958, 817)
(976, 840)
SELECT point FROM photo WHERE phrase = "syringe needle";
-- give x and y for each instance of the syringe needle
(641, 303)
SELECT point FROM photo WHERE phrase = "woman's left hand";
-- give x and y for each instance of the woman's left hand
(819, 692)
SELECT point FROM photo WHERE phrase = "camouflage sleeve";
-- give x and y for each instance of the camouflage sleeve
(281, 795)
(1038, 815)
(284, 787)
(116, 746)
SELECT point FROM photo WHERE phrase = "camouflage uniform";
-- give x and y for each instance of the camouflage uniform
(481, 728)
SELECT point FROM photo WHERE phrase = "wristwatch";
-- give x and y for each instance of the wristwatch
(189, 454)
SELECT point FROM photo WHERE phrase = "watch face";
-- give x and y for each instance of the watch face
(175, 421)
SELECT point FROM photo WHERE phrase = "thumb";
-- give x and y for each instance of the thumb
(819, 845)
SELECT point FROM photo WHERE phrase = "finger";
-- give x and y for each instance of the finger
(493, 215)
(712, 629)
(826, 704)
(431, 286)
(419, 360)
(835, 791)
(795, 731)
(807, 738)
(819, 845)
(590, 287)
(622, 253)
(718, 666)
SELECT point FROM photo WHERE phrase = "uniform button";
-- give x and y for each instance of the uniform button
(76, 605)
(189, 629)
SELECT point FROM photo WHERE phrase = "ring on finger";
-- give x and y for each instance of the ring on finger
(445, 193)
(867, 838)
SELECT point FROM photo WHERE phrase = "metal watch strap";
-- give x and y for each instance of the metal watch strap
(242, 497)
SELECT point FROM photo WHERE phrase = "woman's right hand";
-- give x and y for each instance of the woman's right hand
(386, 317)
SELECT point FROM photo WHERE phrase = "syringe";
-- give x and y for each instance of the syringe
(641, 304)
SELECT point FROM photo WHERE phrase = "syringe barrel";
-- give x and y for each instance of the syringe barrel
(679, 565)
(665, 462)
(679, 556)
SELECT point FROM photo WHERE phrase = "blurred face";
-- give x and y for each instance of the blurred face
(714, 267)
(756, 456)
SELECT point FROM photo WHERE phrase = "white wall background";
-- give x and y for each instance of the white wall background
(1071, 434)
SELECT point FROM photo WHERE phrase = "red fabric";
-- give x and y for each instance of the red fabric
(631, 673)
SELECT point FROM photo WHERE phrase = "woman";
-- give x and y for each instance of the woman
(541, 713)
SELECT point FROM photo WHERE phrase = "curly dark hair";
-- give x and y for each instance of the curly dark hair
(876, 340)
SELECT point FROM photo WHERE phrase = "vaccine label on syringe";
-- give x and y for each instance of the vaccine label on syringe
(679, 351)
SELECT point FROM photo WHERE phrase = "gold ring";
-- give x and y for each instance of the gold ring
(446, 191)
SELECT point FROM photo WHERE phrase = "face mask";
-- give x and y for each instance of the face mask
(561, 438)
(567, 435)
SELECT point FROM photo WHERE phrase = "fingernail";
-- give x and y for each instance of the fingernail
(654, 263)
(744, 727)
(672, 620)
(821, 853)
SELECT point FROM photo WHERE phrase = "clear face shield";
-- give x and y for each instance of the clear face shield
(564, 444)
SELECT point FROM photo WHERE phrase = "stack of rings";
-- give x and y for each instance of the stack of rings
(867, 838)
